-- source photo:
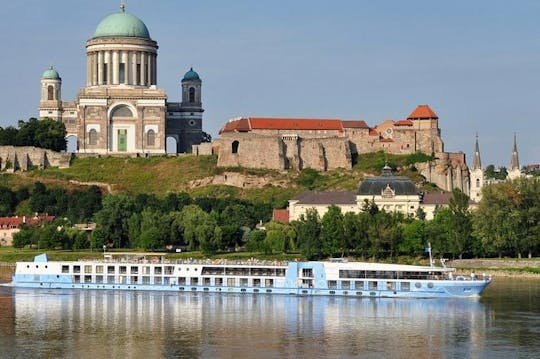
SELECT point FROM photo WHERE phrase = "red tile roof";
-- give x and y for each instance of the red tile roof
(267, 123)
(355, 124)
(281, 215)
(386, 140)
(15, 222)
(403, 123)
(373, 132)
(422, 111)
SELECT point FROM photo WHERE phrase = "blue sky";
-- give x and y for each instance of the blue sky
(476, 63)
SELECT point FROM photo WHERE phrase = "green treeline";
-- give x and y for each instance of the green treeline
(46, 133)
(506, 223)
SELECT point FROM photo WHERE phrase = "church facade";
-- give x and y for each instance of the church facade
(121, 110)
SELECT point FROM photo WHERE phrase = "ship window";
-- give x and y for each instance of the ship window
(430, 285)
(145, 279)
(146, 270)
(77, 279)
(134, 270)
(123, 269)
(99, 269)
(268, 282)
(231, 282)
(76, 269)
(110, 279)
(181, 280)
(359, 285)
(87, 269)
(88, 279)
(345, 284)
(157, 280)
(169, 270)
(218, 282)
(110, 269)
(194, 281)
(307, 272)
(166, 280)
(372, 285)
(158, 270)
(332, 284)
(206, 281)
(405, 286)
(65, 269)
(99, 279)
(390, 285)
(243, 282)
(418, 284)
(280, 272)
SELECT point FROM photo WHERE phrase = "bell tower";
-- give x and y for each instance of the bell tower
(50, 104)
(476, 175)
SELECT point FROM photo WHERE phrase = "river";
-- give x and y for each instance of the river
(504, 323)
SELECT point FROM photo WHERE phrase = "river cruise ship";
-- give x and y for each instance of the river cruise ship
(151, 271)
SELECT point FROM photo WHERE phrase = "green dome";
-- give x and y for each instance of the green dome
(122, 24)
(191, 75)
(51, 74)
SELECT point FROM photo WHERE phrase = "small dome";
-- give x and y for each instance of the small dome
(376, 185)
(191, 76)
(122, 24)
(51, 74)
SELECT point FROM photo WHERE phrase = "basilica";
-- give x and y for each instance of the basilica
(121, 110)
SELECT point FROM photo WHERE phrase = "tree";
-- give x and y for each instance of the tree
(8, 201)
(50, 134)
(461, 229)
(112, 220)
(308, 230)
(332, 232)
(414, 238)
(200, 230)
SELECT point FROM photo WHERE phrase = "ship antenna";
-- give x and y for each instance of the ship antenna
(122, 5)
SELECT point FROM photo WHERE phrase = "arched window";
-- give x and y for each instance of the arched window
(92, 137)
(192, 94)
(235, 146)
(477, 182)
(122, 111)
(150, 138)
(50, 92)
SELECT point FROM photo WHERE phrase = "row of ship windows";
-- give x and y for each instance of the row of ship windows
(369, 285)
(169, 270)
(230, 282)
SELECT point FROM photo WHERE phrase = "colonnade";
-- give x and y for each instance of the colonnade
(115, 67)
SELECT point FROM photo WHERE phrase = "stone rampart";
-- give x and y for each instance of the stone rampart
(14, 158)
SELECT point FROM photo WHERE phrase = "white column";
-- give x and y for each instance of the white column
(134, 68)
(99, 68)
(116, 66)
(109, 67)
(89, 58)
(143, 63)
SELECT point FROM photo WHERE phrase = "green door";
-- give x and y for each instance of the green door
(122, 140)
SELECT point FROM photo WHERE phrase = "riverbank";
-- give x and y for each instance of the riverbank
(507, 267)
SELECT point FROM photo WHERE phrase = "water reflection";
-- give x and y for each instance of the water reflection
(117, 324)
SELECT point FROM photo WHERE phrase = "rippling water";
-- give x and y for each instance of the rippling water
(505, 323)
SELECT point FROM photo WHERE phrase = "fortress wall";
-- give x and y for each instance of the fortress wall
(22, 158)
(253, 152)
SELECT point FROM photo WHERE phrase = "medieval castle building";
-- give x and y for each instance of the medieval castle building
(121, 109)
(325, 144)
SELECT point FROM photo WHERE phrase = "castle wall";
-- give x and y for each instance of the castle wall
(250, 151)
(448, 171)
(13, 158)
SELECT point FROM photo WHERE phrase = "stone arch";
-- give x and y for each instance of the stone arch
(71, 144)
(172, 144)
(234, 146)
(121, 110)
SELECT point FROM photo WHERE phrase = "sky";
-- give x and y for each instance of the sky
(475, 63)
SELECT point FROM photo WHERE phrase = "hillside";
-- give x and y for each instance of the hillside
(200, 176)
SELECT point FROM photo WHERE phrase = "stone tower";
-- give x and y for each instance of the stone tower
(184, 122)
(476, 175)
(50, 104)
(514, 171)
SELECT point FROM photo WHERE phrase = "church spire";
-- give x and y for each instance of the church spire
(477, 163)
(514, 162)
